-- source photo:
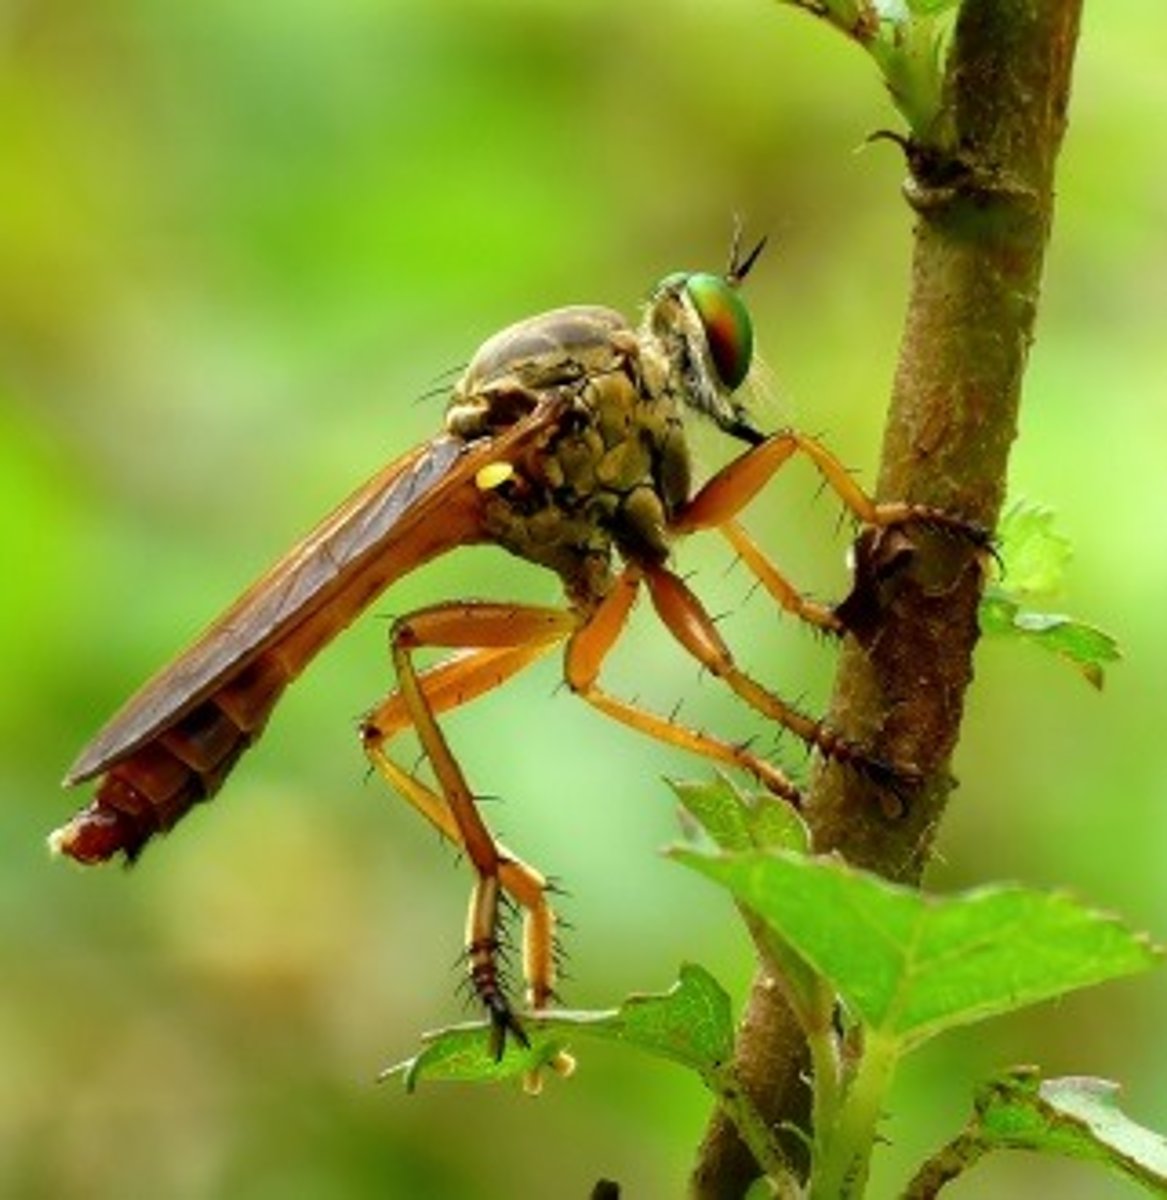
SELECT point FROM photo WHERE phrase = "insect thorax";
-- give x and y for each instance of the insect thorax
(610, 470)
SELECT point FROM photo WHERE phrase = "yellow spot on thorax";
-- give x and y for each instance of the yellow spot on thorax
(493, 475)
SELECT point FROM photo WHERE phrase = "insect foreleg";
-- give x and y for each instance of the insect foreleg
(736, 484)
(498, 640)
(589, 646)
(779, 587)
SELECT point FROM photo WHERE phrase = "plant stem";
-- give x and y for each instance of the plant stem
(984, 199)
(945, 1165)
(826, 1074)
(843, 1151)
(756, 1134)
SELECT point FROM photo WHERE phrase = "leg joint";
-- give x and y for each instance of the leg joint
(402, 635)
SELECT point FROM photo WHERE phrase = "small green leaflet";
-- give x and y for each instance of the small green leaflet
(737, 820)
(691, 1024)
(930, 8)
(910, 965)
(1085, 647)
(1035, 556)
(1077, 1117)
(908, 40)
(902, 11)
(1085, 1113)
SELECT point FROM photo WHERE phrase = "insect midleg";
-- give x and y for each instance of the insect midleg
(737, 483)
(687, 620)
(589, 646)
(500, 640)
(780, 588)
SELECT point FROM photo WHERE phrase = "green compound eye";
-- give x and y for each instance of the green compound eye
(727, 325)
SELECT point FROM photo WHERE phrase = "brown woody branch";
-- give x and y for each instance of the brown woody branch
(984, 204)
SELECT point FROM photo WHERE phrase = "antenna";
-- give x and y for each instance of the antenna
(739, 267)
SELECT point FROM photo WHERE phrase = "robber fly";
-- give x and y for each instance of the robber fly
(565, 444)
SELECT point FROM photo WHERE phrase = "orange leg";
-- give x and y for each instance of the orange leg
(500, 640)
(735, 485)
(587, 648)
(787, 595)
(729, 491)
(686, 619)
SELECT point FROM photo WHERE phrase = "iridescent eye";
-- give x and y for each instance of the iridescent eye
(727, 325)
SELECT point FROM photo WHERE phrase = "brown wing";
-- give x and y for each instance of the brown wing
(423, 503)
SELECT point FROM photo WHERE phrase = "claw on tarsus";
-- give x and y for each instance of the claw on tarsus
(896, 779)
(503, 1022)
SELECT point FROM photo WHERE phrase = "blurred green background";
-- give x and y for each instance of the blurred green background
(238, 241)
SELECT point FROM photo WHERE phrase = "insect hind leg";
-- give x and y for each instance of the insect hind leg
(496, 641)
(687, 620)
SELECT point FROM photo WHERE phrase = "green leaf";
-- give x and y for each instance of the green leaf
(737, 820)
(690, 1024)
(462, 1053)
(902, 11)
(910, 965)
(910, 52)
(931, 8)
(852, 17)
(907, 39)
(1034, 557)
(1034, 554)
(1086, 647)
(1078, 1117)
(1075, 1117)
(898, 11)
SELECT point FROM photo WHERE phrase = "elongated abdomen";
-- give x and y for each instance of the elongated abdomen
(151, 789)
